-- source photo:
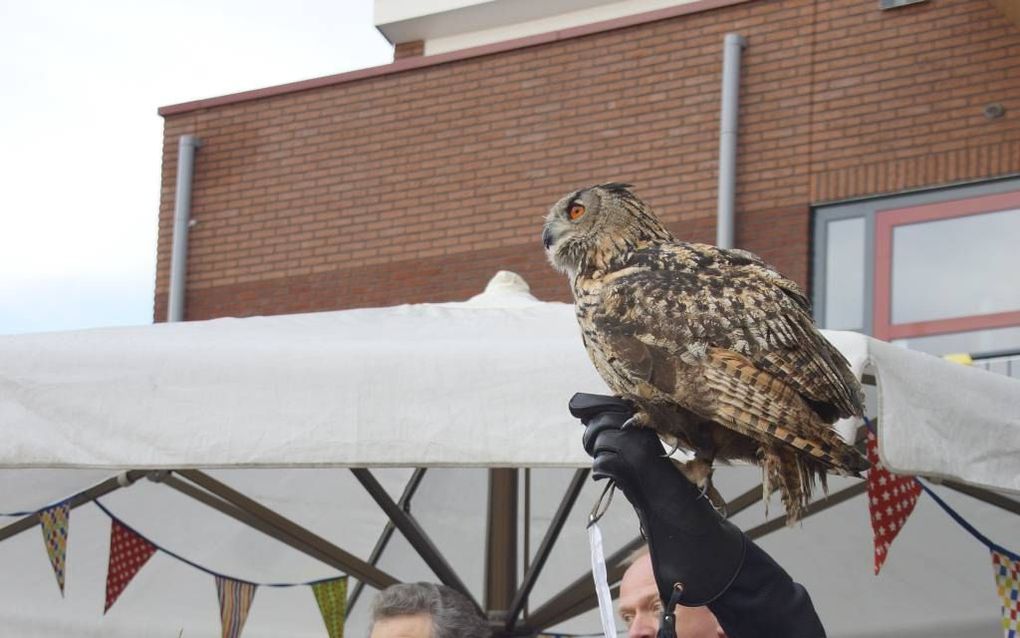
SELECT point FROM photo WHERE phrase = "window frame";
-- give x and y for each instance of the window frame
(874, 208)
(886, 222)
(822, 218)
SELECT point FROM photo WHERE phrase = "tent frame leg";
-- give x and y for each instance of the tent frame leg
(413, 532)
(545, 547)
(384, 538)
(501, 542)
(981, 494)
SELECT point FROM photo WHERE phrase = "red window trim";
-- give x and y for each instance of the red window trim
(885, 222)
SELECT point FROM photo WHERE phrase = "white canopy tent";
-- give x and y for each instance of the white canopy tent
(452, 387)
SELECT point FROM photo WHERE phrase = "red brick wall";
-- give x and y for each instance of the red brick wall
(408, 49)
(419, 185)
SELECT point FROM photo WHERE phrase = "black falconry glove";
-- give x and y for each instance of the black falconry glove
(690, 543)
(698, 557)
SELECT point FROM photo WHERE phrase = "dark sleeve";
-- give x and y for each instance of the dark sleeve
(763, 601)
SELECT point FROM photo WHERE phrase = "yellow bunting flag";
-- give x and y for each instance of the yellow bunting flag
(54, 530)
(332, 598)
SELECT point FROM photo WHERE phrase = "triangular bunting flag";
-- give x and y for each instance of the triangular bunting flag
(54, 530)
(1007, 582)
(332, 598)
(891, 499)
(235, 601)
(128, 552)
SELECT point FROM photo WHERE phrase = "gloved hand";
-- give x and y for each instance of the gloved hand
(695, 552)
(690, 543)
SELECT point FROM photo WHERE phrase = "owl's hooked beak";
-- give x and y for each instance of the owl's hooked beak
(553, 238)
(548, 239)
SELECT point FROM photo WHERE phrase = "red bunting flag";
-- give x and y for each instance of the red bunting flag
(54, 522)
(128, 552)
(235, 601)
(1007, 582)
(891, 499)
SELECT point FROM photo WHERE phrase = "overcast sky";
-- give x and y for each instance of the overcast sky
(81, 143)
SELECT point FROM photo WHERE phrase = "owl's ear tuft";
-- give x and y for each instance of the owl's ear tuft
(618, 188)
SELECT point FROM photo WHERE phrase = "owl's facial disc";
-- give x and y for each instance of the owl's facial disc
(569, 221)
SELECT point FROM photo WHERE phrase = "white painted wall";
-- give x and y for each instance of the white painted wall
(388, 11)
(450, 25)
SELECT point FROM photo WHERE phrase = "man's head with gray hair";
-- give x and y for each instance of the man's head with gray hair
(425, 610)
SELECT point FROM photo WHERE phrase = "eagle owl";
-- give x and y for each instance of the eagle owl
(716, 349)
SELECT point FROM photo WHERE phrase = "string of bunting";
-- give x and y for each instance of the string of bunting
(891, 500)
(1005, 564)
(130, 551)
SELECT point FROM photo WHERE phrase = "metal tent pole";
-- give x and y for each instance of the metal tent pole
(270, 520)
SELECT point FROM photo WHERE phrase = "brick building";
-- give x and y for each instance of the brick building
(415, 181)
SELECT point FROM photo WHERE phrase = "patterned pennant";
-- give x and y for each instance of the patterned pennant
(128, 552)
(332, 598)
(1007, 582)
(235, 601)
(54, 530)
(891, 499)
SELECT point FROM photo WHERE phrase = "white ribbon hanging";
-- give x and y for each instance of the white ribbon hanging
(598, 570)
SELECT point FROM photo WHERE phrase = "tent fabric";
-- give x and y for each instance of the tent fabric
(276, 396)
(480, 383)
(946, 420)
(937, 418)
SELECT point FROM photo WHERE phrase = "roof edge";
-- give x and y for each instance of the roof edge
(417, 62)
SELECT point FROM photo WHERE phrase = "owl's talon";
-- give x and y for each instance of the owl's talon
(720, 508)
(699, 472)
(639, 420)
(715, 499)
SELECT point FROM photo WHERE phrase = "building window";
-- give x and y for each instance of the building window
(937, 271)
(846, 248)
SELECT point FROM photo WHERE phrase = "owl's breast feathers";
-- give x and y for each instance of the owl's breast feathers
(723, 336)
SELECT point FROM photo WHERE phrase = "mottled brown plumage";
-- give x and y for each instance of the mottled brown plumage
(718, 350)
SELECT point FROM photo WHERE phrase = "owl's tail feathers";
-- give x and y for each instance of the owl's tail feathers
(854, 462)
(764, 408)
(837, 455)
(793, 476)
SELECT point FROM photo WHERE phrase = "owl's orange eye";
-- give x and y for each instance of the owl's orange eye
(575, 212)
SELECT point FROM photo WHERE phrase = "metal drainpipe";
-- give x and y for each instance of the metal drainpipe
(186, 147)
(733, 44)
